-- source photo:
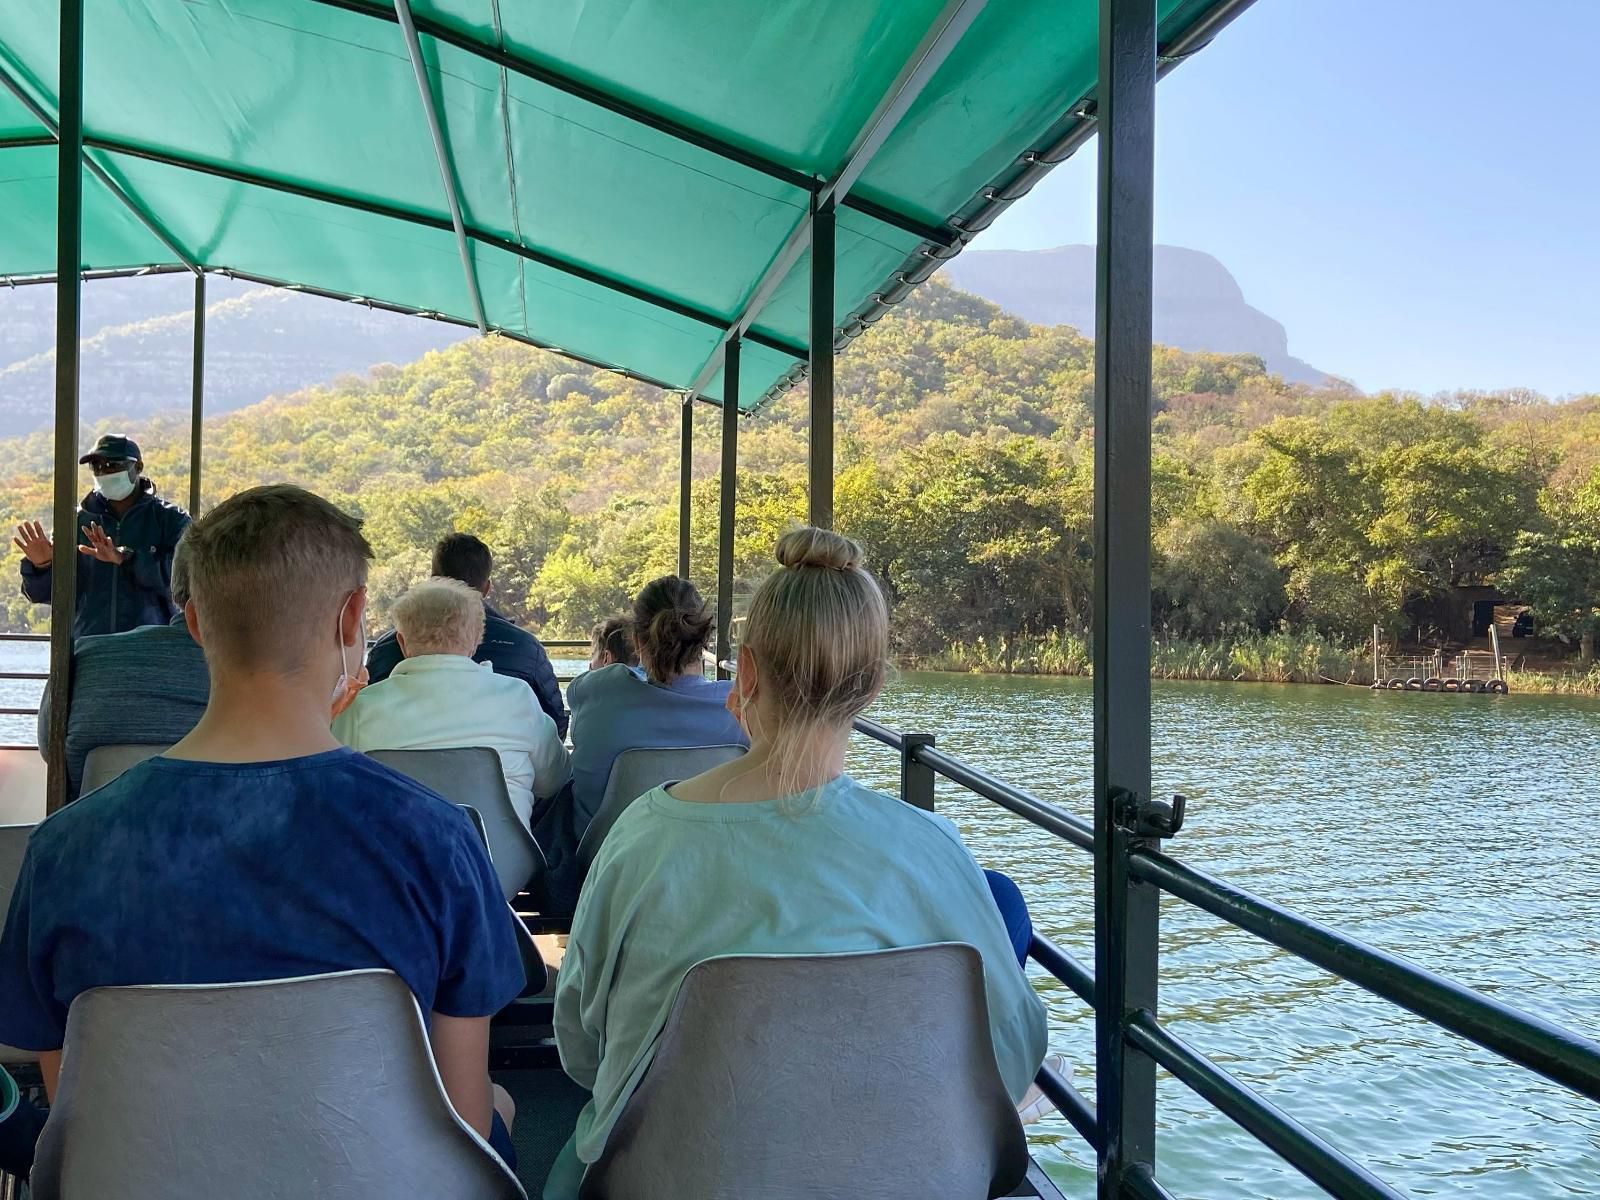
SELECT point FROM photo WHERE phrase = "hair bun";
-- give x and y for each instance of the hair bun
(811, 547)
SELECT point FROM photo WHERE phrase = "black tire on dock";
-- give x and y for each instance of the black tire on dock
(1396, 684)
(1413, 684)
(1433, 684)
(1452, 685)
(1497, 687)
(1472, 685)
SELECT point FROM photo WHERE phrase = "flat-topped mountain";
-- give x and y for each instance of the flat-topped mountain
(1198, 303)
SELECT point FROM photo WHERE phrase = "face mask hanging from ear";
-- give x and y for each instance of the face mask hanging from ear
(345, 677)
(117, 486)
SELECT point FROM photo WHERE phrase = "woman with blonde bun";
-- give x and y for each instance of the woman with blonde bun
(778, 852)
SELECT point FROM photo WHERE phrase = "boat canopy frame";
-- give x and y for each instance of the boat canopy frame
(1129, 824)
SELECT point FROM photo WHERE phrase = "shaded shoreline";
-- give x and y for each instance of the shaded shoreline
(1256, 658)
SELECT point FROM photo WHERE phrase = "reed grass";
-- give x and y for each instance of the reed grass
(1250, 658)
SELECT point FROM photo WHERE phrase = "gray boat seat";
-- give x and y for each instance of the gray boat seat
(13, 845)
(317, 1086)
(105, 763)
(536, 974)
(842, 1075)
(471, 776)
(634, 773)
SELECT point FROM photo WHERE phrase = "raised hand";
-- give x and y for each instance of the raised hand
(33, 541)
(100, 545)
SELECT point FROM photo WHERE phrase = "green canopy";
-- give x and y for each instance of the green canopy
(627, 174)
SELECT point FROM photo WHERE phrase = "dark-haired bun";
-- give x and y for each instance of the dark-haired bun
(671, 626)
(811, 547)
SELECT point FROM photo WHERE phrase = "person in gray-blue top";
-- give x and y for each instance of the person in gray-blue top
(147, 686)
(126, 534)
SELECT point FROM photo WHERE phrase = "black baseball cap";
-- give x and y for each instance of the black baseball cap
(113, 445)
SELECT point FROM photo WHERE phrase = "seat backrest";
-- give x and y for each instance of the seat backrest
(472, 777)
(13, 845)
(635, 772)
(829, 1075)
(105, 763)
(317, 1086)
(536, 976)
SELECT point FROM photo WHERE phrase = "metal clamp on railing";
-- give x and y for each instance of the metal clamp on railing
(1147, 818)
(916, 778)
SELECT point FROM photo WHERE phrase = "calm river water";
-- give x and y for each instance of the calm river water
(1459, 831)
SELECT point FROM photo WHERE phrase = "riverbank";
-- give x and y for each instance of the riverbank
(1255, 658)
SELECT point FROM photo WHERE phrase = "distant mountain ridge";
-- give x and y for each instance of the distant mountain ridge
(1198, 303)
(265, 342)
(138, 341)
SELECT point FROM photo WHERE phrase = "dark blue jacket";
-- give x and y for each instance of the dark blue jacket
(117, 597)
(505, 647)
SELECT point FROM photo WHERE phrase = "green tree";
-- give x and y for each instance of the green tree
(1212, 579)
(1555, 567)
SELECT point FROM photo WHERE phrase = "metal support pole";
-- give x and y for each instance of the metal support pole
(198, 399)
(1126, 910)
(69, 261)
(685, 484)
(730, 485)
(916, 779)
(441, 154)
(821, 370)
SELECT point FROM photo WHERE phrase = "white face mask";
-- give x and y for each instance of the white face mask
(116, 486)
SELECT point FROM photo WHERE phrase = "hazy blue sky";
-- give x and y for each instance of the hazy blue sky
(1411, 186)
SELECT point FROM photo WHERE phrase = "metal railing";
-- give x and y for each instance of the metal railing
(1558, 1054)
(42, 676)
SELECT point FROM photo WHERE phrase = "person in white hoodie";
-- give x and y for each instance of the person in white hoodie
(439, 698)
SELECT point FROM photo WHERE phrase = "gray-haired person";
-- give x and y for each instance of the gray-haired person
(146, 686)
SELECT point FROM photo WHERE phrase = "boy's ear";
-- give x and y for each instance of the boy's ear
(191, 622)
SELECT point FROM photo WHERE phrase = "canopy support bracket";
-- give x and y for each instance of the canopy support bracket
(9, 82)
(441, 151)
(953, 21)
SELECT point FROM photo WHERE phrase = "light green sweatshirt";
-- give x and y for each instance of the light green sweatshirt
(677, 882)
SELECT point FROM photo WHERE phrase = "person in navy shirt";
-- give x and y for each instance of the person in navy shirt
(126, 534)
(506, 648)
(257, 847)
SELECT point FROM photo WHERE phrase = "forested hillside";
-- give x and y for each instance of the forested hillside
(965, 465)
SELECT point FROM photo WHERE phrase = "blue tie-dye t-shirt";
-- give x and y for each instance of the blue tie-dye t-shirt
(195, 872)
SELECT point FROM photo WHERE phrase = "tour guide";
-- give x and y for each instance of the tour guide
(128, 535)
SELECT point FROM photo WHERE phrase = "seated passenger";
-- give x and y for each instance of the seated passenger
(439, 698)
(614, 709)
(148, 685)
(778, 852)
(611, 641)
(509, 649)
(258, 847)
